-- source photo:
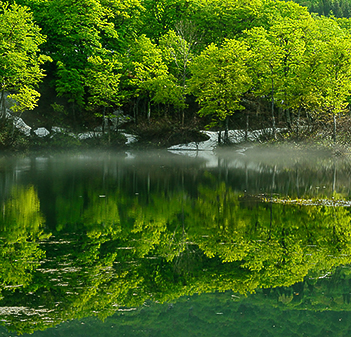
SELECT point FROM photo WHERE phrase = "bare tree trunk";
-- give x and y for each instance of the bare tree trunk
(103, 120)
(334, 128)
(298, 122)
(274, 134)
(247, 127)
(183, 95)
(288, 118)
(3, 106)
(108, 129)
(149, 111)
(334, 178)
(135, 110)
(226, 130)
(74, 112)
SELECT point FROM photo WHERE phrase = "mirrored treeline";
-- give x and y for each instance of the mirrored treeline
(102, 234)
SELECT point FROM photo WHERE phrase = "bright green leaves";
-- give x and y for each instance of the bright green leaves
(220, 78)
(108, 53)
(160, 16)
(279, 54)
(267, 60)
(218, 20)
(148, 64)
(26, 98)
(102, 81)
(20, 61)
(334, 76)
(150, 74)
(335, 80)
(70, 83)
(178, 52)
(76, 29)
(80, 34)
(125, 15)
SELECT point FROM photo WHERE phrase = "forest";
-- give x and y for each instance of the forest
(176, 65)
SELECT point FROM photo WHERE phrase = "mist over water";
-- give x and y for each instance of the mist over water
(134, 236)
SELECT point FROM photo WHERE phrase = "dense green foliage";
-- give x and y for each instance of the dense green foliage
(337, 8)
(20, 60)
(153, 59)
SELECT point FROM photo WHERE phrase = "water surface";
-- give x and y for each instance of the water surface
(238, 243)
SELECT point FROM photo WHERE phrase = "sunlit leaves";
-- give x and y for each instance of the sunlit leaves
(20, 62)
(150, 75)
(220, 77)
(102, 81)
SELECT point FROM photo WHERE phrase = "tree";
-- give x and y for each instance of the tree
(335, 79)
(126, 17)
(226, 19)
(279, 60)
(178, 47)
(160, 16)
(149, 75)
(102, 79)
(77, 30)
(266, 66)
(220, 77)
(20, 60)
(218, 20)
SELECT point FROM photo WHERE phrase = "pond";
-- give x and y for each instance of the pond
(251, 242)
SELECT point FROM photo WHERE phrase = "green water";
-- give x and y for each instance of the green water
(163, 244)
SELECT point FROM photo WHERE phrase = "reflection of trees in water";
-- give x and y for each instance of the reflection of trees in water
(296, 177)
(21, 228)
(124, 240)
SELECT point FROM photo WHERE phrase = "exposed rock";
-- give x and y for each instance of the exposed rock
(41, 132)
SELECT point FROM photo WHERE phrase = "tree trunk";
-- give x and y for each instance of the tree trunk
(274, 134)
(149, 111)
(136, 110)
(226, 130)
(334, 177)
(74, 112)
(288, 118)
(247, 127)
(108, 129)
(334, 128)
(3, 106)
(103, 120)
(298, 122)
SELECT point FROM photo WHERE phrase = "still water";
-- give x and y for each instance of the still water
(241, 243)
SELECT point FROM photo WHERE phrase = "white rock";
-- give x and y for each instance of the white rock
(130, 138)
(41, 132)
(89, 134)
(22, 126)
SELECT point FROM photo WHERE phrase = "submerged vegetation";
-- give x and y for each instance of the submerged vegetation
(235, 64)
